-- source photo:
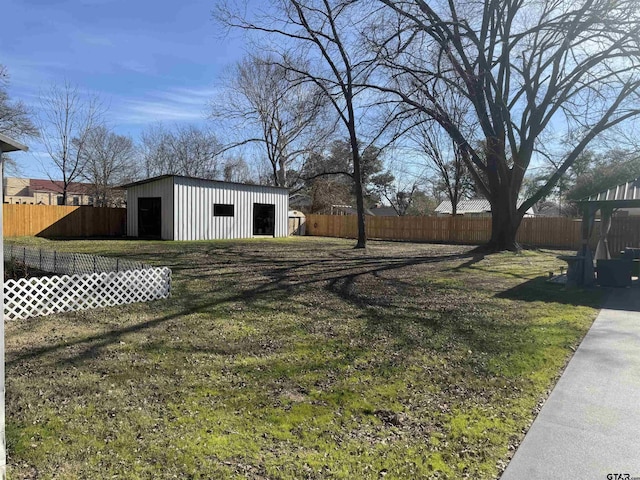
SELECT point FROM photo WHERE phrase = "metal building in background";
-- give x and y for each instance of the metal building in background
(174, 207)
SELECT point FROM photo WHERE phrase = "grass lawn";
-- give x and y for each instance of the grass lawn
(291, 359)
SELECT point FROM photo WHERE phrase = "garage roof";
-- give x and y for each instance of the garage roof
(160, 177)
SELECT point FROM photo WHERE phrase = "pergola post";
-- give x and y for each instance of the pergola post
(626, 195)
(602, 250)
(587, 275)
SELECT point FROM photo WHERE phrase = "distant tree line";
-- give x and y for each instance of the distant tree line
(72, 126)
(401, 103)
(485, 90)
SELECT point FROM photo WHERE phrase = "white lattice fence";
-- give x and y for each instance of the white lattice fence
(32, 297)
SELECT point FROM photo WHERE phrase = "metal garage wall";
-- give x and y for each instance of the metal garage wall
(163, 188)
(194, 200)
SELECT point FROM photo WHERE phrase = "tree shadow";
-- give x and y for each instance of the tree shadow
(277, 285)
(540, 290)
(266, 283)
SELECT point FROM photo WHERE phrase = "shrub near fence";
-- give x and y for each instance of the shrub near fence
(548, 232)
(92, 282)
(63, 221)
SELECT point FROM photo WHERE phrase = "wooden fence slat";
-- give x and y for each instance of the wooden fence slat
(63, 221)
(553, 232)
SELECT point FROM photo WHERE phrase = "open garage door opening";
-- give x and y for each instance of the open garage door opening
(264, 219)
(149, 217)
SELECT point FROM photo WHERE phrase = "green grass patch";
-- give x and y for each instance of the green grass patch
(294, 358)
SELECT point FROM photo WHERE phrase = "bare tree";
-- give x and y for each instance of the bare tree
(194, 151)
(108, 161)
(445, 160)
(265, 104)
(155, 154)
(525, 67)
(67, 119)
(324, 34)
(184, 150)
(235, 169)
(326, 192)
(15, 122)
(15, 117)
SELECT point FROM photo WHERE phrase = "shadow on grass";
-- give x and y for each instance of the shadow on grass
(539, 290)
(475, 258)
(441, 327)
(474, 326)
(278, 283)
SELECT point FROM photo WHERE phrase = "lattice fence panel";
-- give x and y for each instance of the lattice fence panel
(32, 297)
(68, 263)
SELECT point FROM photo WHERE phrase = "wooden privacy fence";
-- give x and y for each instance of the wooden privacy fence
(552, 232)
(62, 221)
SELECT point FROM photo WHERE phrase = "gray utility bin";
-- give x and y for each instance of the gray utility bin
(614, 273)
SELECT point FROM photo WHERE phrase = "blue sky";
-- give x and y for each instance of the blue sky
(149, 61)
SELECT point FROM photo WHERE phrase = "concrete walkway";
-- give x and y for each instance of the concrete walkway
(590, 425)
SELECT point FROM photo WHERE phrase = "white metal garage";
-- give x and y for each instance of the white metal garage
(174, 207)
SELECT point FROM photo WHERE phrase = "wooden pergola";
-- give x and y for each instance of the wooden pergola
(626, 195)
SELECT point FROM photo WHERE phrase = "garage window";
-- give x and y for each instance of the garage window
(223, 210)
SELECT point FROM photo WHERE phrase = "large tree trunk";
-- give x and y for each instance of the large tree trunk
(505, 221)
(357, 178)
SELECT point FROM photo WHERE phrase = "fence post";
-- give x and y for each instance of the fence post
(55, 262)
(24, 256)
(74, 264)
(94, 264)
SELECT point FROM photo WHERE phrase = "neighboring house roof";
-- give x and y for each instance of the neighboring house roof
(349, 210)
(57, 186)
(548, 209)
(475, 205)
(160, 177)
(472, 206)
(625, 194)
(383, 211)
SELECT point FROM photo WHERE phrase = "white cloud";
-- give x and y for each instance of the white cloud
(148, 112)
(175, 104)
(135, 66)
(188, 96)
